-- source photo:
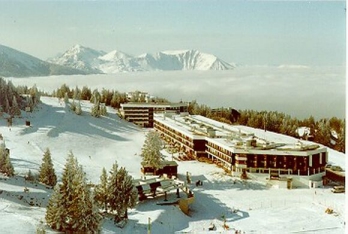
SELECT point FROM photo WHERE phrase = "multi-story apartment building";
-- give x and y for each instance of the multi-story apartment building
(142, 113)
(241, 148)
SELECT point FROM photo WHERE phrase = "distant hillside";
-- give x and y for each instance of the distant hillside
(92, 61)
(14, 63)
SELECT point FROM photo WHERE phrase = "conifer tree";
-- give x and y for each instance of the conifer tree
(101, 191)
(86, 217)
(73, 105)
(15, 110)
(55, 213)
(95, 111)
(115, 100)
(46, 173)
(128, 191)
(103, 110)
(30, 176)
(2, 155)
(78, 109)
(121, 192)
(66, 98)
(151, 150)
(6, 166)
(114, 196)
(76, 211)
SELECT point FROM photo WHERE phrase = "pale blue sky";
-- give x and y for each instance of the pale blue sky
(244, 32)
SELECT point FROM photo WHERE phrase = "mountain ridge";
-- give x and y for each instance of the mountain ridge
(119, 61)
(19, 64)
(81, 60)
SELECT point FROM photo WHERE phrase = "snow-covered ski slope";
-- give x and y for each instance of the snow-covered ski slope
(252, 206)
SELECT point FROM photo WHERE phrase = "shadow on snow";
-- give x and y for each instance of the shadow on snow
(61, 119)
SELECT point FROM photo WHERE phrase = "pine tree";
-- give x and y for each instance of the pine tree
(2, 154)
(122, 193)
(6, 166)
(115, 100)
(73, 105)
(66, 98)
(35, 95)
(78, 109)
(77, 93)
(151, 150)
(95, 111)
(86, 217)
(128, 191)
(101, 191)
(15, 110)
(103, 110)
(46, 173)
(85, 93)
(29, 176)
(75, 211)
(55, 213)
(114, 196)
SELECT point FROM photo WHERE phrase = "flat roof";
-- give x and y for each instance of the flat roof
(162, 163)
(236, 138)
(145, 104)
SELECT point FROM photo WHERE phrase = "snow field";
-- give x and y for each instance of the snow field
(252, 206)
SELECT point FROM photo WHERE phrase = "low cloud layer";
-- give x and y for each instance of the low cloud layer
(296, 91)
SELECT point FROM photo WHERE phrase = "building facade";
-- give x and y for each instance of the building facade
(142, 114)
(240, 148)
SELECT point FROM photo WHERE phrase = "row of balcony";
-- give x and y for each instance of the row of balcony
(173, 134)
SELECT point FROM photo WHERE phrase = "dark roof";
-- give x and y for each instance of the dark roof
(162, 164)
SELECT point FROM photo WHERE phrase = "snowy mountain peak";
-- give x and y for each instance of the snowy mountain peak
(114, 55)
(117, 61)
(77, 48)
(18, 64)
(80, 57)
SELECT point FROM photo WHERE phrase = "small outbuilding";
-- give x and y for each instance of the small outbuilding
(170, 168)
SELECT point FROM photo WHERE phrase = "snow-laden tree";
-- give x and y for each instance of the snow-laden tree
(75, 211)
(77, 93)
(101, 191)
(47, 174)
(73, 105)
(2, 154)
(121, 193)
(95, 96)
(6, 166)
(15, 110)
(35, 95)
(55, 211)
(128, 191)
(78, 109)
(95, 111)
(114, 196)
(151, 150)
(103, 110)
(66, 98)
(86, 217)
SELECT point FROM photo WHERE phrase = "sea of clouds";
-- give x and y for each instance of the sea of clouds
(298, 91)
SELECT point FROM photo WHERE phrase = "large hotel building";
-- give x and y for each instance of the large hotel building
(237, 148)
(241, 148)
(142, 114)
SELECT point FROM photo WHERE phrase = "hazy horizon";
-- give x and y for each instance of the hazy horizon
(243, 32)
(299, 92)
